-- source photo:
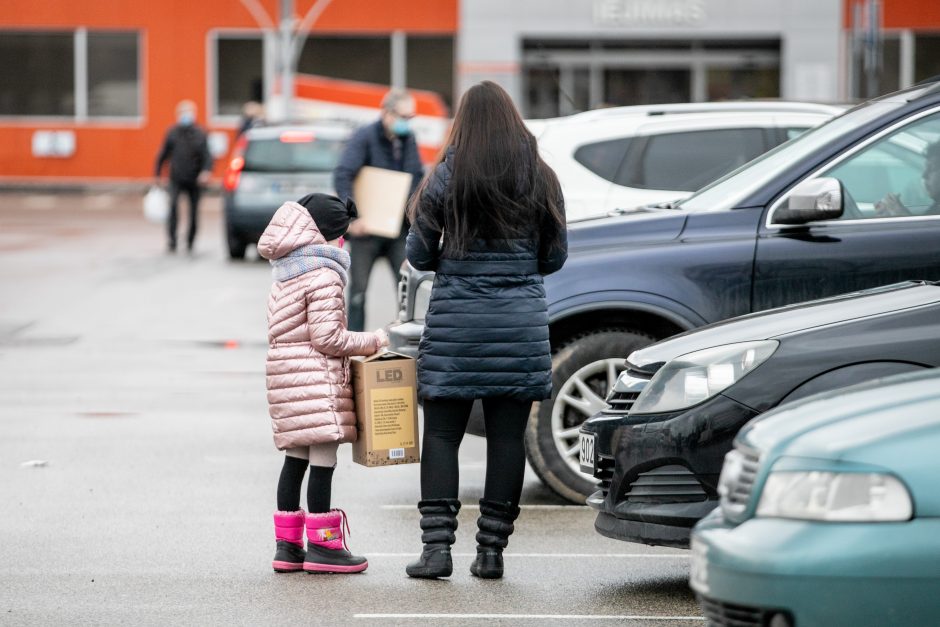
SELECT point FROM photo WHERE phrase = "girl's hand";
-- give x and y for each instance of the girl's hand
(383, 337)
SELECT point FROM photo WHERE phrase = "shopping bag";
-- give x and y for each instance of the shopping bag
(156, 205)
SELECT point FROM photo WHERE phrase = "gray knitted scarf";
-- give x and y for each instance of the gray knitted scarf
(311, 257)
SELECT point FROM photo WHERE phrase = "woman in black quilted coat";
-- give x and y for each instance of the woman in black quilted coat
(490, 220)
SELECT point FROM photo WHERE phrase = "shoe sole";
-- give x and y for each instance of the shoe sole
(313, 567)
(286, 567)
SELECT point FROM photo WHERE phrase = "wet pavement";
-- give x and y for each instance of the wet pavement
(137, 472)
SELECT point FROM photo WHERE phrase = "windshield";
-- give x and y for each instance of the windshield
(728, 191)
(276, 155)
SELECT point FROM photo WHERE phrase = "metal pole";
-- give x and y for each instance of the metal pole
(286, 58)
(399, 68)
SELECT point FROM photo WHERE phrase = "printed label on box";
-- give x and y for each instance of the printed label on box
(391, 428)
(396, 453)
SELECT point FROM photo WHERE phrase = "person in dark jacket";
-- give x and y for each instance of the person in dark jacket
(387, 143)
(186, 148)
(490, 221)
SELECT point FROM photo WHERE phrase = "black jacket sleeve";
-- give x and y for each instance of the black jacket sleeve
(423, 244)
(165, 150)
(206, 155)
(553, 241)
(354, 156)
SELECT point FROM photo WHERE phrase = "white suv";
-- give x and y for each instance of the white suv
(625, 157)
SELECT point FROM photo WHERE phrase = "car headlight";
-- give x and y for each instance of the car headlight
(422, 300)
(835, 496)
(692, 378)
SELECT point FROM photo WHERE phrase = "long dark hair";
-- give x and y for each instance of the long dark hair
(499, 187)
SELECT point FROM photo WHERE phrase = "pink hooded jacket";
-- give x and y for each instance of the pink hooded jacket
(309, 390)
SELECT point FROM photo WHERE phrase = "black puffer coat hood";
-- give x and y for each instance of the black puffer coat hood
(486, 330)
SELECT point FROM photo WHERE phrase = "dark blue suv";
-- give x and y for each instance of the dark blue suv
(848, 205)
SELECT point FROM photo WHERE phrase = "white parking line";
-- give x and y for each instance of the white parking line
(529, 616)
(662, 556)
(574, 508)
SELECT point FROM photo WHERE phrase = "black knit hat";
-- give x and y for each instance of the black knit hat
(330, 213)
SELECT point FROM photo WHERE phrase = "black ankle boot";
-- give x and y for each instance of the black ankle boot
(438, 523)
(495, 526)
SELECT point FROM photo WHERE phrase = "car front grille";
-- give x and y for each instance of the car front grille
(719, 614)
(403, 296)
(736, 489)
(673, 484)
(604, 472)
(621, 402)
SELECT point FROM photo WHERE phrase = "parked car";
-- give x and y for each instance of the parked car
(690, 395)
(624, 157)
(763, 236)
(829, 513)
(271, 165)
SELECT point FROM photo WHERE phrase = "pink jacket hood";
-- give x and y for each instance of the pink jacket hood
(289, 229)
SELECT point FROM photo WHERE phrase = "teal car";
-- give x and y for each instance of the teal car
(829, 513)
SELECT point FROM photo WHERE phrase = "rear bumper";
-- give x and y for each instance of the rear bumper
(248, 222)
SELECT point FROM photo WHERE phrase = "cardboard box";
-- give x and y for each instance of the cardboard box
(381, 196)
(385, 387)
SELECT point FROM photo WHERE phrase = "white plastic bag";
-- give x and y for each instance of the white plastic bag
(156, 205)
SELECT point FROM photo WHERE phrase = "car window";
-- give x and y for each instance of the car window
(294, 155)
(896, 176)
(794, 132)
(603, 158)
(689, 161)
(730, 190)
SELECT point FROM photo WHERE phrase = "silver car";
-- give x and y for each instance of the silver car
(274, 164)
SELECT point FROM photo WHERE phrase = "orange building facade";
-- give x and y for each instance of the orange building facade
(89, 87)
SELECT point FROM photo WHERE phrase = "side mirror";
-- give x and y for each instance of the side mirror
(812, 200)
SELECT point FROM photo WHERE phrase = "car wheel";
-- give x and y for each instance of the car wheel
(236, 246)
(583, 371)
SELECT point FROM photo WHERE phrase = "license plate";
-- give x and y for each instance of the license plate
(698, 573)
(587, 453)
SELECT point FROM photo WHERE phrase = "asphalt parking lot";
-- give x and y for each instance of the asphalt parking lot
(137, 472)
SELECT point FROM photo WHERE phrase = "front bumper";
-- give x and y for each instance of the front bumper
(663, 473)
(820, 573)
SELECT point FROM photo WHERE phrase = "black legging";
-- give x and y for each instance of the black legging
(445, 422)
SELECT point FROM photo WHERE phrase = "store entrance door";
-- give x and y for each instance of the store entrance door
(565, 79)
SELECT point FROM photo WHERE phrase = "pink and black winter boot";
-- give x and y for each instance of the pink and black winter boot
(289, 533)
(326, 546)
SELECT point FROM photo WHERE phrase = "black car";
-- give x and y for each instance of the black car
(658, 449)
(806, 220)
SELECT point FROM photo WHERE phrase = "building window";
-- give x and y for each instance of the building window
(113, 75)
(39, 76)
(431, 66)
(239, 73)
(365, 59)
(926, 56)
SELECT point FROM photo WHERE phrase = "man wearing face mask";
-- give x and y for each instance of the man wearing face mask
(187, 149)
(390, 144)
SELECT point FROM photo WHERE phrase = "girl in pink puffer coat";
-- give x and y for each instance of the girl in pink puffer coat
(309, 390)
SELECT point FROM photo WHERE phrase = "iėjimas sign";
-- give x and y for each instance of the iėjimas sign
(649, 12)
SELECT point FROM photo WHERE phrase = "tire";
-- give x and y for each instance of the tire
(236, 246)
(590, 362)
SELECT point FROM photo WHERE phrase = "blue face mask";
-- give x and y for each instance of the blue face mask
(186, 118)
(401, 127)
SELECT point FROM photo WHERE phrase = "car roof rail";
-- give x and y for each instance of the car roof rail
(733, 106)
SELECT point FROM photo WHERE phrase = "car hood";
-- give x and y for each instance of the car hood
(788, 320)
(641, 225)
(891, 424)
